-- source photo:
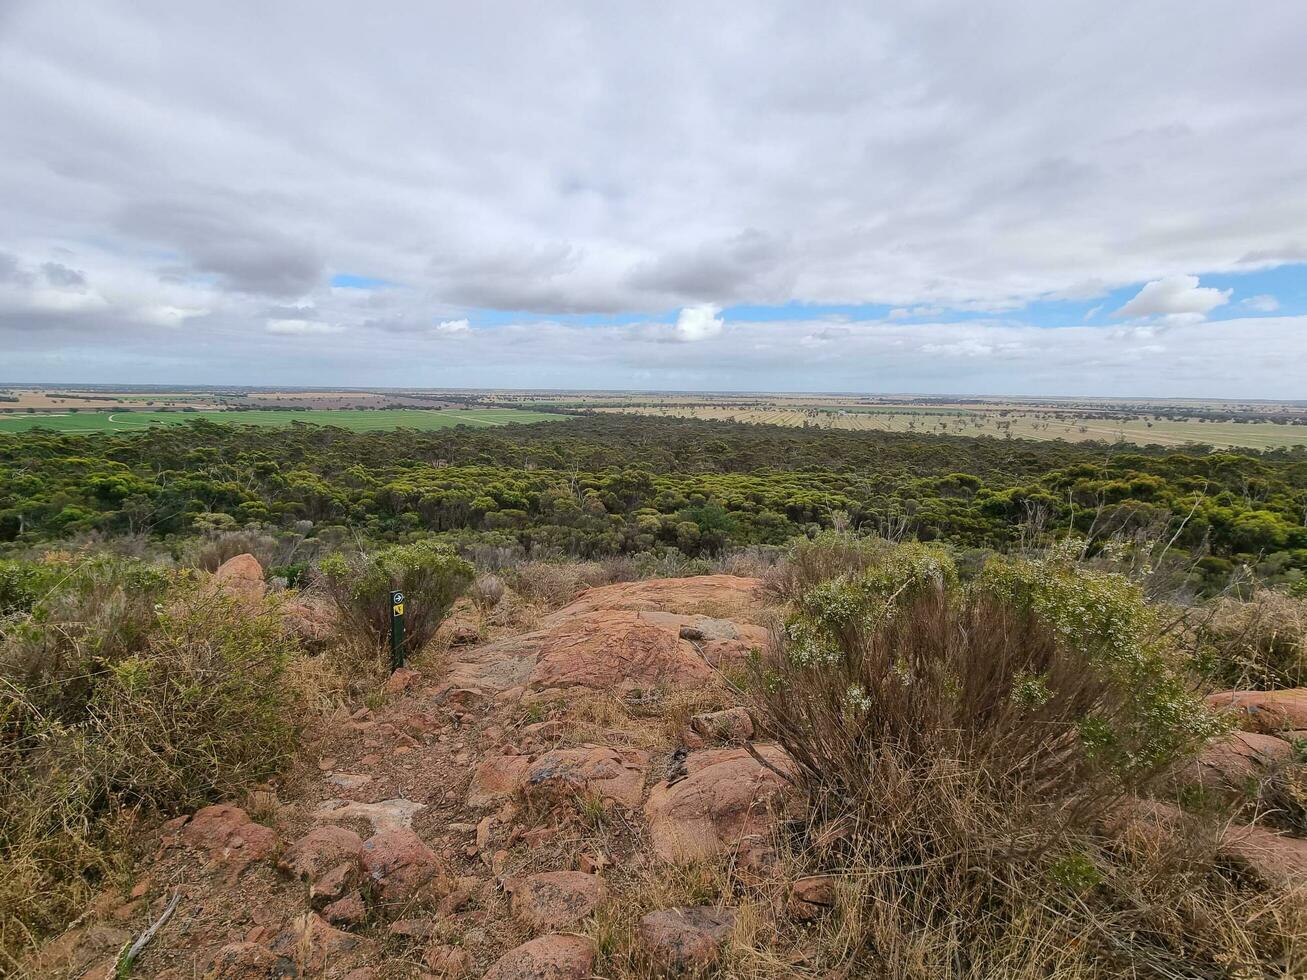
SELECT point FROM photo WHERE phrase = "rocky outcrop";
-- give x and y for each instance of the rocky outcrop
(1267, 712)
(619, 637)
(714, 595)
(726, 795)
(1232, 762)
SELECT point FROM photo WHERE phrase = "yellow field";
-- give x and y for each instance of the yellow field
(1019, 425)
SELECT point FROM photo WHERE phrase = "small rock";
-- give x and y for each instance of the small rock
(313, 943)
(249, 961)
(731, 725)
(483, 832)
(401, 680)
(346, 912)
(614, 775)
(319, 851)
(230, 836)
(349, 780)
(400, 866)
(553, 957)
(684, 939)
(498, 777)
(412, 928)
(557, 899)
(812, 896)
(447, 962)
(386, 815)
(326, 763)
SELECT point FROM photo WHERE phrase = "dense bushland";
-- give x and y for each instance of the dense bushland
(607, 485)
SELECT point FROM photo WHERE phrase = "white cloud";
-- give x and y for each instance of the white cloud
(699, 322)
(1175, 296)
(301, 327)
(454, 326)
(1264, 303)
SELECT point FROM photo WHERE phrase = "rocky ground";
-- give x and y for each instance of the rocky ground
(496, 810)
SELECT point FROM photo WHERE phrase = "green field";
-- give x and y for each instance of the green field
(359, 420)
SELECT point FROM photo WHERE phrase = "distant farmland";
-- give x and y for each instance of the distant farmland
(357, 420)
(1019, 424)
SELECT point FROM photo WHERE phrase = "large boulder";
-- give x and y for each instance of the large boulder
(726, 795)
(557, 899)
(1277, 859)
(552, 957)
(1267, 712)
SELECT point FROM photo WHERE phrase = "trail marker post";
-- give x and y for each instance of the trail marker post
(396, 630)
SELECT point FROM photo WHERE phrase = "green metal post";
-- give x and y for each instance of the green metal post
(396, 630)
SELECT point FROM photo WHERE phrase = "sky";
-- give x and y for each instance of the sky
(1028, 198)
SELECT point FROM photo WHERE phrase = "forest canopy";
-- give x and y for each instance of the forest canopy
(603, 485)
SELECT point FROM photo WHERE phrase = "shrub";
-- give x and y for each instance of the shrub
(962, 748)
(430, 575)
(486, 592)
(829, 555)
(124, 690)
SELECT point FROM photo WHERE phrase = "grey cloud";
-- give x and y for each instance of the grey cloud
(247, 254)
(58, 274)
(11, 271)
(749, 265)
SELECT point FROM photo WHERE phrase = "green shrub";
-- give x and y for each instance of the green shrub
(430, 575)
(963, 747)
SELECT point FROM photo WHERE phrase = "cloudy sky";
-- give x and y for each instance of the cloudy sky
(1002, 197)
